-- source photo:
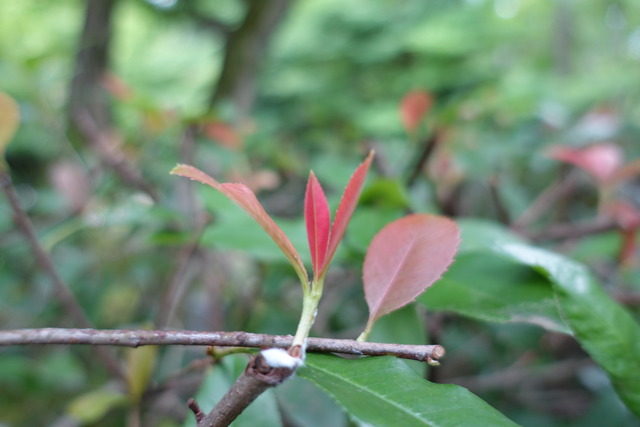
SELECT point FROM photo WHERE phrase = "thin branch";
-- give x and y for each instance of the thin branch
(197, 411)
(258, 376)
(572, 231)
(110, 154)
(545, 201)
(427, 148)
(501, 208)
(176, 287)
(66, 297)
(136, 338)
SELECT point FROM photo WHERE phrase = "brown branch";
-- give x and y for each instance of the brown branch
(545, 201)
(244, 51)
(571, 231)
(427, 148)
(258, 376)
(176, 287)
(136, 338)
(110, 154)
(498, 202)
(197, 411)
(66, 297)
(87, 93)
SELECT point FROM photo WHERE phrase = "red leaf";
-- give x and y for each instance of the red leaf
(345, 209)
(413, 107)
(224, 134)
(318, 220)
(600, 160)
(405, 258)
(244, 197)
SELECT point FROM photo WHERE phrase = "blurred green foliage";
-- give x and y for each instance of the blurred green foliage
(509, 78)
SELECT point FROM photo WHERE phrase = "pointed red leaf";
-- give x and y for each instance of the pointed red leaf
(405, 258)
(600, 160)
(345, 209)
(413, 107)
(318, 220)
(244, 197)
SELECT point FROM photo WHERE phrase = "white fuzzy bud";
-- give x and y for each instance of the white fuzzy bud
(279, 358)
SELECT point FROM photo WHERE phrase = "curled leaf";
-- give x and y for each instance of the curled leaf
(405, 258)
(345, 210)
(9, 120)
(244, 197)
(318, 221)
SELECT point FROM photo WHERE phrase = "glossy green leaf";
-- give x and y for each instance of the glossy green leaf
(262, 412)
(484, 286)
(384, 391)
(305, 405)
(605, 330)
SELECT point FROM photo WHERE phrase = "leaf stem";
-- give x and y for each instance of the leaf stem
(308, 315)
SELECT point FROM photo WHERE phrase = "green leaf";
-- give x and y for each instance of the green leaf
(141, 362)
(92, 406)
(484, 286)
(606, 330)
(306, 405)
(384, 391)
(262, 412)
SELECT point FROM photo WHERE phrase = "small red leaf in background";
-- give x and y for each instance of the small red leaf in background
(244, 197)
(318, 221)
(413, 107)
(405, 258)
(346, 207)
(117, 87)
(600, 160)
(224, 134)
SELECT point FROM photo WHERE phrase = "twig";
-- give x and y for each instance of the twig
(176, 287)
(197, 411)
(111, 155)
(427, 148)
(571, 231)
(545, 201)
(66, 297)
(136, 338)
(259, 376)
(501, 208)
(244, 50)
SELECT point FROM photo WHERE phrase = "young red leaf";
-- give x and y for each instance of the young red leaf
(404, 259)
(345, 209)
(244, 197)
(318, 221)
(600, 160)
(413, 107)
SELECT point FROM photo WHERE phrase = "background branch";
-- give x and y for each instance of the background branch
(62, 291)
(136, 338)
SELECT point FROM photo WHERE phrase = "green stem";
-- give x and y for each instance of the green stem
(308, 316)
(365, 334)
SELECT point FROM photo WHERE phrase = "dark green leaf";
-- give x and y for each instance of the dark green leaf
(488, 287)
(384, 391)
(606, 331)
